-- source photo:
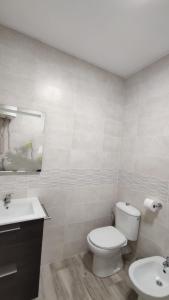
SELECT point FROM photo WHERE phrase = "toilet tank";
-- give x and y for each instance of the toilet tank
(127, 220)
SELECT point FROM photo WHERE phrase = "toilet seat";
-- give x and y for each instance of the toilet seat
(107, 238)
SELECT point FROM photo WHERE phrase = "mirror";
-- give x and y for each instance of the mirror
(21, 140)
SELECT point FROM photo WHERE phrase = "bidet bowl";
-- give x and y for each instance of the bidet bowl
(148, 278)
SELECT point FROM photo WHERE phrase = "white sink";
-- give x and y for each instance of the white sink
(148, 278)
(20, 210)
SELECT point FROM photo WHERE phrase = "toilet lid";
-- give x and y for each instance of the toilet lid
(107, 237)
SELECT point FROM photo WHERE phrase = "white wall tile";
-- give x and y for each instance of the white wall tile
(83, 106)
(145, 153)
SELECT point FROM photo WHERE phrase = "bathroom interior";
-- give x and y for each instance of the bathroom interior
(84, 150)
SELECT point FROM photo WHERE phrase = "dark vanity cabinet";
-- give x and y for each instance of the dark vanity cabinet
(20, 256)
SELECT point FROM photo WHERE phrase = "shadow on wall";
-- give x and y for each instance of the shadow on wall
(149, 217)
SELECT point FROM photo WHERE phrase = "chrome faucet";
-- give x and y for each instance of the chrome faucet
(166, 264)
(7, 199)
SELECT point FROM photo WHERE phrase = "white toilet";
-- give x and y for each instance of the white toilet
(106, 242)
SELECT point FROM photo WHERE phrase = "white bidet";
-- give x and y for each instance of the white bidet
(150, 278)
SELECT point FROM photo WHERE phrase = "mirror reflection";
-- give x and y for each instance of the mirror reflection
(21, 140)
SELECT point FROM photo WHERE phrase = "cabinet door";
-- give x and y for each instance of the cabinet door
(21, 243)
(18, 284)
(20, 255)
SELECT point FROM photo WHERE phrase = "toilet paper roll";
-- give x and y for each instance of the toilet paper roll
(150, 204)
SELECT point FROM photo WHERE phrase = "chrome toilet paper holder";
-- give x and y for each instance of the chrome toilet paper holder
(158, 205)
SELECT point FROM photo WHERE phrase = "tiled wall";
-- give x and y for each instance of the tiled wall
(145, 153)
(84, 107)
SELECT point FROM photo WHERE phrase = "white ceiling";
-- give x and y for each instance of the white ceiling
(121, 36)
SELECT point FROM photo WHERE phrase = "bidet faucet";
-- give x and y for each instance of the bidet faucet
(166, 263)
(7, 199)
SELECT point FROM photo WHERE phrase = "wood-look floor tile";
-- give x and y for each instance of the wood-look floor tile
(61, 292)
(47, 286)
(73, 280)
(76, 282)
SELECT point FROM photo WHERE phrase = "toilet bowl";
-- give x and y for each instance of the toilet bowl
(149, 278)
(107, 242)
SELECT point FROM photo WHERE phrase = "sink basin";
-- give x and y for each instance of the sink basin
(148, 278)
(20, 210)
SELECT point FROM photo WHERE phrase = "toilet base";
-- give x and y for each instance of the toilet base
(107, 266)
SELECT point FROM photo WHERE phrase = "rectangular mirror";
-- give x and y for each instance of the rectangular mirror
(21, 140)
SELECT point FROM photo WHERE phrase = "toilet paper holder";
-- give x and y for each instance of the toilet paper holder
(158, 205)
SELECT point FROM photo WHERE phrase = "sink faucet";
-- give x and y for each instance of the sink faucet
(166, 264)
(7, 199)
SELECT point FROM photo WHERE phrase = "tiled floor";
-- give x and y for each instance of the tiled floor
(73, 280)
